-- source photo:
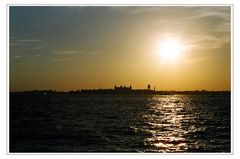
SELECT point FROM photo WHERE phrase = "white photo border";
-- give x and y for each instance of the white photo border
(4, 70)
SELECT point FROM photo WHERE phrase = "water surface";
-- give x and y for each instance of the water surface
(120, 123)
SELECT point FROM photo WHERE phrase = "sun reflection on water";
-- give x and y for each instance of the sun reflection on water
(166, 128)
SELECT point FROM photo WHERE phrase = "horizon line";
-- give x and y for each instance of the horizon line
(79, 90)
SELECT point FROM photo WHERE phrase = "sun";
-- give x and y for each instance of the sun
(170, 48)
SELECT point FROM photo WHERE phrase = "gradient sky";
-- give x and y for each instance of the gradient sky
(78, 47)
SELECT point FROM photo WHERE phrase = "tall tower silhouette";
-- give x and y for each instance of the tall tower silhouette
(149, 86)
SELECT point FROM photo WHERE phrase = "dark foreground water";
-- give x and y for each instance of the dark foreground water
(114, 123)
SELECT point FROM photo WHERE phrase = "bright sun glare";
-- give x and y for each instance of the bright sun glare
(170, 48)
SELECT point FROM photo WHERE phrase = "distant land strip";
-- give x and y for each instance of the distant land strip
(120, 91)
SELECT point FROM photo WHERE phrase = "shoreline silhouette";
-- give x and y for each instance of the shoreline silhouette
(122, 90)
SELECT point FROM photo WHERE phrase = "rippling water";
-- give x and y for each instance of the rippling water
(114, 123)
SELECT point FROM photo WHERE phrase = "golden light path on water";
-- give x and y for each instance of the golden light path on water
(168, 134)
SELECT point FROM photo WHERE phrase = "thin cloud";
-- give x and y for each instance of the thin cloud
(28, 40)
(16, 56)
(75, 52)
(196, 60)
(69, 55)
(12, 44)
(25, 43)
(207, 41)
(202, 27)
(35, 48)
(67, 52)
(141, 9)
(25, 48)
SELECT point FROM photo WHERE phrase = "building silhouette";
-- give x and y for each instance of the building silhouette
(123, 89)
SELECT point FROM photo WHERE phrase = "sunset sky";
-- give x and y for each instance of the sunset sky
(79, 47)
